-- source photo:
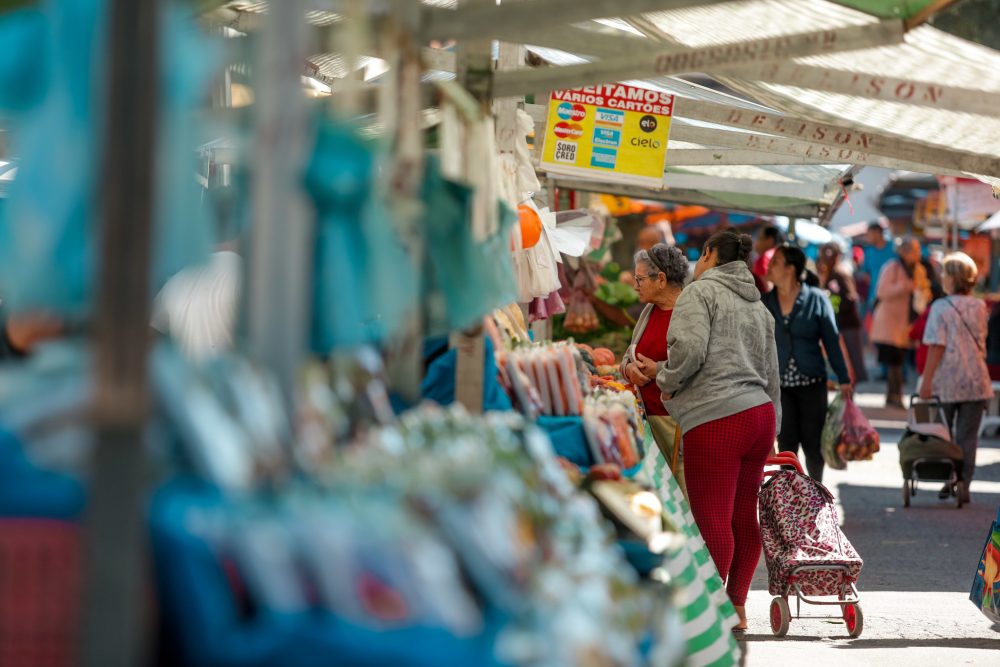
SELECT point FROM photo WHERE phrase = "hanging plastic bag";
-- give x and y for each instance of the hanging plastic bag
(832, 429)
(859, 441)
(580, 314)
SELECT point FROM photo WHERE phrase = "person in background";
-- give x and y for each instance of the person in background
(898, 282)
(877, 253)
(993, 342)
(768, 239)
(652, 235)
(721, 384)
(660, 274)
(844, 298)
(803, 319)
(920, 327)
(956, 360)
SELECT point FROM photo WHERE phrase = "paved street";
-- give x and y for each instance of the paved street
(919, 564)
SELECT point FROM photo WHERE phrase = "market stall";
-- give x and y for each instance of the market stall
(400, 237)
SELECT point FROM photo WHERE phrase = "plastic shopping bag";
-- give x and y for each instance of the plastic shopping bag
(986, 584)
(859, 441)
(832, 429)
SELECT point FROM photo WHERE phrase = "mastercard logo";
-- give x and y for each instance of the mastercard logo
(574, 112)
(570, 131)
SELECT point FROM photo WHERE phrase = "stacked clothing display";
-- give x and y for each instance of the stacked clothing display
(362, 551)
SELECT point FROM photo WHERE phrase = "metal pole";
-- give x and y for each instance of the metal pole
(474, 67)
(114, 621)
(277, 305)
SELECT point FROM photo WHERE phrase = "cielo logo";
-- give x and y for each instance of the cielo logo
(570, 131)
(567, 111)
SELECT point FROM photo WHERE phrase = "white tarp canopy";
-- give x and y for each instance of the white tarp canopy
(840, 86)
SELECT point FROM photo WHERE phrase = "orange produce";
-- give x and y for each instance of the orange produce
(603, 357)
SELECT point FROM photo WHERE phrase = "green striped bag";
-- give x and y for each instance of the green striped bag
(707, 614)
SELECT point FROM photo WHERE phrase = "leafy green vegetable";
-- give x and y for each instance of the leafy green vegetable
(618, 294)
(612, 271)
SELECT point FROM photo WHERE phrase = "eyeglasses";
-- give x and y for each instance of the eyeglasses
(651, 276)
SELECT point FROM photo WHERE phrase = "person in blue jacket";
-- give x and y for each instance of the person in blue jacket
(803, 319)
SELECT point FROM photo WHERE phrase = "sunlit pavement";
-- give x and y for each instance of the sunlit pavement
(919, 564)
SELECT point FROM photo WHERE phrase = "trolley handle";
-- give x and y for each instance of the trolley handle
(932, 401)
(783, 459)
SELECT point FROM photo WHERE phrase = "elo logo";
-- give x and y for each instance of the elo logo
(647, 123)
(567, 111)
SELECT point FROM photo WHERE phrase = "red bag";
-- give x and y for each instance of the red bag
(859, 441)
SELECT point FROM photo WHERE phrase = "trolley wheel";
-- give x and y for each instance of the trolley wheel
(781, 617)
(854, 620)
(907, 486)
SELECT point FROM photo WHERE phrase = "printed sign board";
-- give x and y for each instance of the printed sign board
(612, 132)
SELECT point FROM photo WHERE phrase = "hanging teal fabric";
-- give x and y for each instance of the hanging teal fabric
(464, 280)
(185, 232)
(45, 244)
(364, 281)
(49, 230)
(22, 65)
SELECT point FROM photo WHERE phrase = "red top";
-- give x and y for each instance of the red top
(917, 334)
(653, 344)
(760, 266)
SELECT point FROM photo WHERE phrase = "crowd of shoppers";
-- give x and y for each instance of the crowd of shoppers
(740, 362)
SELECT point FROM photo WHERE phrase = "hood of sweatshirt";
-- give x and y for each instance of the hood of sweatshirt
(734, 276)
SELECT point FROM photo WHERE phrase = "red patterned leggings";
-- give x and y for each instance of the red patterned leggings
(724, 463)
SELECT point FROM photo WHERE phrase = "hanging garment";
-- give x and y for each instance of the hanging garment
(544, 308)
(465, 279)
(48, 232)
(364, 281)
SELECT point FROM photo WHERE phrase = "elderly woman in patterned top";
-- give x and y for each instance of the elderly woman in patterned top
(956, 370)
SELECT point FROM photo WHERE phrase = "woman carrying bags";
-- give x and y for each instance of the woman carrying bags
(721, 384)
(803, 319)
(659, 273)
(956, 369)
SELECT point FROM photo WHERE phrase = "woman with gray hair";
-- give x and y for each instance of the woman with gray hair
(659, 274)
(956, 370)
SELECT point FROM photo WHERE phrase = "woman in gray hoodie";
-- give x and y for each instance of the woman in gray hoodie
(721, 383)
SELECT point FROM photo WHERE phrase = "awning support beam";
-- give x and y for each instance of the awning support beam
(873, 87)
(689, 197)
(855, 145)
(668, 59)
(497, 21)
